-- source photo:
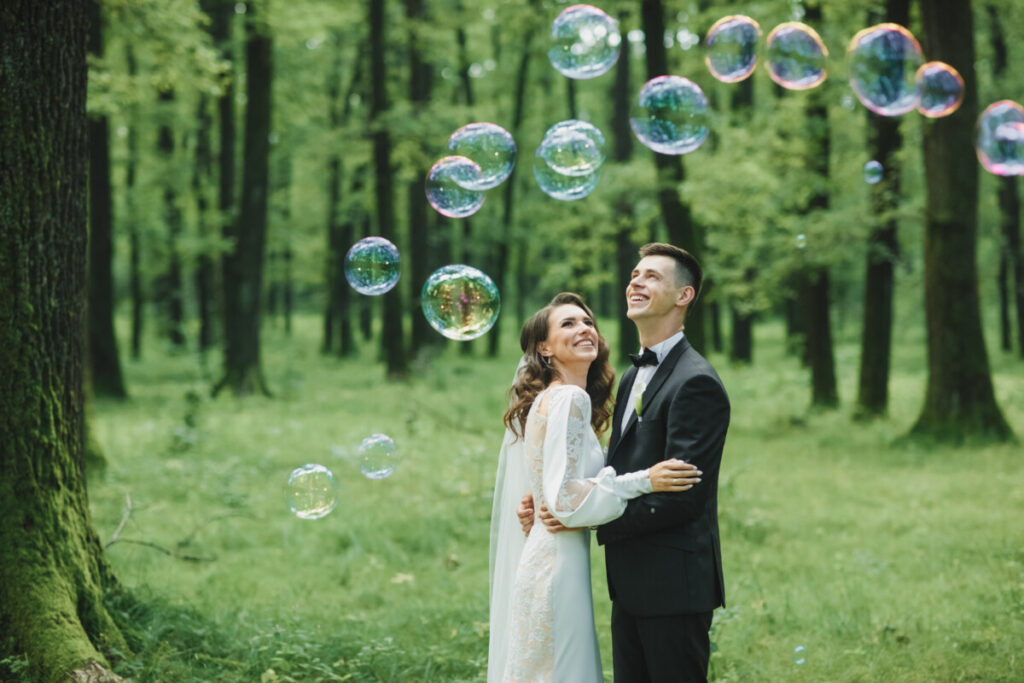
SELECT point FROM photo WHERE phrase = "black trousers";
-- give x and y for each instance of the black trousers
(672, 649)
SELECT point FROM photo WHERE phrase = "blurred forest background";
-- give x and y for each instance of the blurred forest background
(236, 150)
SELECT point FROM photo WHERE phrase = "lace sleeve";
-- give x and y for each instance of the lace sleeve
(575, 499)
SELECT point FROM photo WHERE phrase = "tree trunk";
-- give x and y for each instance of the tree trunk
(959, 401)
(135, 256)
(204, 275)
(170, 291)
(243, 275)
(626, 255)
(52, 569)
(466, 347)
(678, 218)
(103, 356)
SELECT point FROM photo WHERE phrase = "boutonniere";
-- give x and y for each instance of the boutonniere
(638, 399)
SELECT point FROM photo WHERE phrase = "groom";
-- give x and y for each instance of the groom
(663, 555)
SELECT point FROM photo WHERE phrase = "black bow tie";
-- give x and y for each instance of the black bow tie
(648, 357)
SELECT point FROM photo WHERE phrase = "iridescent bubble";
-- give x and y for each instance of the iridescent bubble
(941, 89)
(873, 172)
(568, 150)
(311, 491)
(999, 141)
(559, 185)
(378, 456)
(584, 42)
(460, 302)
(490, 147)
(588, 129)
(799, 655)
(796, 56)
(446, 187)
(884, 60)
(372, 266)
(670, 115)
(730, 47)
(801, 241)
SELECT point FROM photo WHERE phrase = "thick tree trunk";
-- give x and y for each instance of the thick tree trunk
(243, 274)
(103, 356)
(959, 401)
(676, 213)
(393, 338)
(52, 569)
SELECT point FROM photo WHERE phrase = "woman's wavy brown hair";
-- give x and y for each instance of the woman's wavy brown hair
(535, 375)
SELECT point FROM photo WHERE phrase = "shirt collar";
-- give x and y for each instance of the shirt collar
(662, 348)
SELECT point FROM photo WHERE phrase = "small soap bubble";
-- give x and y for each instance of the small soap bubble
(584, 42)
(799, 655)
(490, 147)
(730, 48)
(460, 302)
(573, 148)
(312, 491)
(884, 60)
(941, 89)
(872, 172)
(801, 241)
(447, 187)
(378, 456)
(372, 266)
(670, 115)
(999, 141)
(796, 56)
(561, 186)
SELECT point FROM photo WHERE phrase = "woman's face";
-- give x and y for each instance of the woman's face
(572, 336)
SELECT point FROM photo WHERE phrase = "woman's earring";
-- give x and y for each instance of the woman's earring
(546, 360)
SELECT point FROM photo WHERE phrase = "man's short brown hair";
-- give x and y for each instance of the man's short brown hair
(688, 271)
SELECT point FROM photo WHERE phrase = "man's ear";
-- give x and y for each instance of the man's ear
(685, 296)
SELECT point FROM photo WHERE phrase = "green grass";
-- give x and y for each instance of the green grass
(888, 563)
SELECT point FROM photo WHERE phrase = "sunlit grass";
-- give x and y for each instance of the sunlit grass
(888, 563)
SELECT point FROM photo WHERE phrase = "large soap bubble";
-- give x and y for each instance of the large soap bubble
(584, 42)
(460, 302)
(670, 115)
(574, 147)
(999, 140)
(941, 89)
(448, 184)
(312, 491)
(378, 456)
(796, 56)
(490, 147)
(372, 266)
(730, 48)
(884, 60)
(560, 185)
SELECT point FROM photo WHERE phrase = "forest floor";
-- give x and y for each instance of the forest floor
(880, 559)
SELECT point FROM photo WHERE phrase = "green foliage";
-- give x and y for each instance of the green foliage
(887, 562)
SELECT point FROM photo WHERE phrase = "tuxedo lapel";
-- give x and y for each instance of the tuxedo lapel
(663, 373)
(625, 387)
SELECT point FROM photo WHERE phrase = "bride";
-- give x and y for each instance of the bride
(542, 616)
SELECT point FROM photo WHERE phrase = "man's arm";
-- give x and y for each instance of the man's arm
(697, 422)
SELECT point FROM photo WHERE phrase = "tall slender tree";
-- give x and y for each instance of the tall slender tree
(52, 570)
(959, 400)
(104, 359)
(243, 272)
(170, 290)
(392, 334)
(135, 240)
(622, 151)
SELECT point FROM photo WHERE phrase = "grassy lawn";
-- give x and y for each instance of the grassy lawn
(887, 561)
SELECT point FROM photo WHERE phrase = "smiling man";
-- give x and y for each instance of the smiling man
(663, 555)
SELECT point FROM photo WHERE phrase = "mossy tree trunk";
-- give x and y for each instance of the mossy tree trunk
(243, 263)
(959, 400)
(52, 569)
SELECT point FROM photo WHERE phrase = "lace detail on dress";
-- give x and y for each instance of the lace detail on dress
(575, 488)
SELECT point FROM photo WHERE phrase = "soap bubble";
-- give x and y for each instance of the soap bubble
(572, 128)
(799, 655)
(372, 266)
(999, 141)
(490, 147)
(884, 60)
(941, 89)
(670, 115)
(561, 186)
(796, 56)
(801, 241)
(378, 456)
(584, 42)
(311, 491)
(570, 151)
(730, 44)
(460, 302)
(873, 172)
(447, 187)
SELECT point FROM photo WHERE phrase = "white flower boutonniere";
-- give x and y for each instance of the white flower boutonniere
(638, 398)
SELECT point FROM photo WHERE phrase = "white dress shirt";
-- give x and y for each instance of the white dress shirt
(645, 374)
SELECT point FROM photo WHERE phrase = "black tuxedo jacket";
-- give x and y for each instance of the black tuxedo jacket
(663, 555)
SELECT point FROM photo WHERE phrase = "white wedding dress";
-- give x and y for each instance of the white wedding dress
(542, 614)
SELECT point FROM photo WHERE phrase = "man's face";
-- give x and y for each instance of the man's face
(652, 290)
